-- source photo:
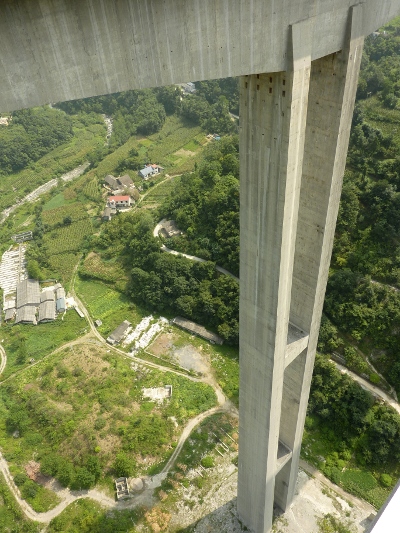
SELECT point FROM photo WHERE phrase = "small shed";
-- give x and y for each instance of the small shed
(170, 229)
(60, 305)
(108, 213)
(119, 333)
(47, 311)
(201, 331)
(122, 488)
(60, 293)
(28, 293)
(26, 315)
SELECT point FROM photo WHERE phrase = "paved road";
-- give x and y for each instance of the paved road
(357, 502)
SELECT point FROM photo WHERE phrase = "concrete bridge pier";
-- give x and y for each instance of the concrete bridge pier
(294, 134)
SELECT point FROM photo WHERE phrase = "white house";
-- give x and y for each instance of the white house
(118, 202)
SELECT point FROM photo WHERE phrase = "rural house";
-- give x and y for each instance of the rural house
(125, 181)
(149, 170)
(111, 182)
(118, 202)
(119, 333)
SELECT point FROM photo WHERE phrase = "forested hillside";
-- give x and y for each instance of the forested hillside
(362, 299)
(31, 134)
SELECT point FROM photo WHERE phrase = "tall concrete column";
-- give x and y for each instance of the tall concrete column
(332, 94)
(293, 143)
(273, 110)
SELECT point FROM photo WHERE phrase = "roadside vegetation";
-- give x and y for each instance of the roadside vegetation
(11, 514)
(352, 438)
(81, 415)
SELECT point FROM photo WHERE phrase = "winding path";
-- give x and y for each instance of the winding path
(191, 257)
(375, 391)
(32, 196)
(3, 359)
(67, 496)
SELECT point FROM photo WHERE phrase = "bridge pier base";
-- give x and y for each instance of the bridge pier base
(294, 131)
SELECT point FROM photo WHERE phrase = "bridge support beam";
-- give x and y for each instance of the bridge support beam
(294, 131)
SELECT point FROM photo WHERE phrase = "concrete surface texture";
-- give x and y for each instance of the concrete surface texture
(56, 50)
(294, 134)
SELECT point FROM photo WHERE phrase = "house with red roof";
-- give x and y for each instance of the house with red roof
(119, 202)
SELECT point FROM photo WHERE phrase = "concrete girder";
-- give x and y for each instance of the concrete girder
(57, 50)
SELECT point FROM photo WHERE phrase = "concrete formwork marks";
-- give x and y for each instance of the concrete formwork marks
(54, 50)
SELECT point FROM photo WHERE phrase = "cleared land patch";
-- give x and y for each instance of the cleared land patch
(107, 304)
(86, 402)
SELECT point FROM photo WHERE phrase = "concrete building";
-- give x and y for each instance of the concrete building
(119, 202)
(298, 62)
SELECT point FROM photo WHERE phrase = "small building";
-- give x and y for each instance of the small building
(169, 229)
(189, 87)
(22, 237)
(125, 181)
(60, 305)
(111, 182)
(47, 311)
(118, 202)
(60, 292)
(158, 394)
(28, 293)
(79, 312)
(98, 323)
(119, 333)
(47, 296)
(108, 213)
(122, 488)
(196, 329)
(26, 315)
(149, 170)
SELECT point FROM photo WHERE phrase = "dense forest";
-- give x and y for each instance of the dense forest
(168, 284)
(31, 134)
(143, 112)
(206, 207)
(362, 300)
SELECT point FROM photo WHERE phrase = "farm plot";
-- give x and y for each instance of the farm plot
(74, 212)
(157, 193)
(107, 304)
(95, 267)
(52, 165)
(175, 134)
(68, 238)
(63, 265)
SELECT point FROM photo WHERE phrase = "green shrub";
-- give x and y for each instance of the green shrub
(386, 480)
(207, 462)
(20, 479)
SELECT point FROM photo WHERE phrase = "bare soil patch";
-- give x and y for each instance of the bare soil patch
(187, 356)
(185, 153)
